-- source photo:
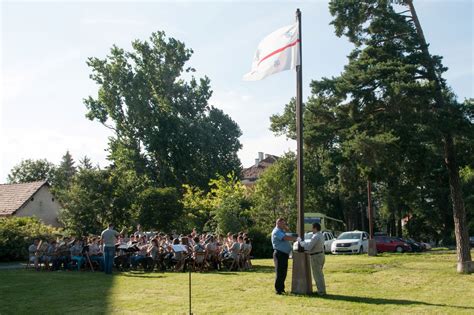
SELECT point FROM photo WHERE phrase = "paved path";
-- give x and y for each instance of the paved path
(13, 265)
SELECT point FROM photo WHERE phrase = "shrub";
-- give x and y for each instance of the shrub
(17, 233)
(261, 243)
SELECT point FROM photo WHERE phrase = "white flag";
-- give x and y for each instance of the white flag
(277, 52)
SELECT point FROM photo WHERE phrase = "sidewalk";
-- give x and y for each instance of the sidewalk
(12, 265)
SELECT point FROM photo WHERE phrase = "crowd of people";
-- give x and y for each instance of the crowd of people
(146, 251)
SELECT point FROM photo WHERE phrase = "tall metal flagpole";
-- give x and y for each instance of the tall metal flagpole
(301, 279)
(299, 132)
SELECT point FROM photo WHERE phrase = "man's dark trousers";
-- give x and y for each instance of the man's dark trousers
(109, 253)
(281, 268)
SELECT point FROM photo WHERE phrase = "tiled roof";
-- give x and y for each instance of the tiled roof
(14, 196)
(253, 172)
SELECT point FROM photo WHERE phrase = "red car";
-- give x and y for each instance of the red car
(389, 244)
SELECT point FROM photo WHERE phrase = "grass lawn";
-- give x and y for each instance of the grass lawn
(389, 283)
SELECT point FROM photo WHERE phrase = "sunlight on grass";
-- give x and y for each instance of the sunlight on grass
(425, 283)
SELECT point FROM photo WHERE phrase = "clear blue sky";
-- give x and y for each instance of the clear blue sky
(44, 46)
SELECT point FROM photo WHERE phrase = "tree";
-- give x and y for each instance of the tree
(465, 264)
(375, 23)
(85, 163)
(32, 170)
(197, 209)
(63, 174)
(223, 209)
(159, 208)
(164, 126)
(87, 202)
(274, 194)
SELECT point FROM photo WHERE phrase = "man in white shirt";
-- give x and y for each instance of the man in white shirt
(109, 238)
(315, 247)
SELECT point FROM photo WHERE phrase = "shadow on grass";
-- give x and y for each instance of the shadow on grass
(223, 273)
(262, 269)
(59, 292)
(381, 301)
(141, 275)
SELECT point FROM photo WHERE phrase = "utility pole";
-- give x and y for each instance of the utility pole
(372, 250)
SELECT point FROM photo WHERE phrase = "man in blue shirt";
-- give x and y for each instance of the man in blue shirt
(281, 253)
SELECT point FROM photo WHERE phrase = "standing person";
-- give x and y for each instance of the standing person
(316, 251)
(108, 238)
(281, 253)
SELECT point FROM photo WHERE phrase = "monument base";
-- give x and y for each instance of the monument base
(372, 250)
(465, 267)
(301, 282)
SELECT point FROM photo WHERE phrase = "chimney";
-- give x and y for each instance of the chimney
(260, 156)
(256, 162)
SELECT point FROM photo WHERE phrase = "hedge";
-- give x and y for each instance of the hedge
(17, 233)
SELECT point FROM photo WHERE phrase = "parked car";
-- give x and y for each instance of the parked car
(426, 246)
(328, 239)
(415, 246)
(351, 242)
(391, 244)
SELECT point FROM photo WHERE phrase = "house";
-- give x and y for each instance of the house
(252, 173)
(32, 199)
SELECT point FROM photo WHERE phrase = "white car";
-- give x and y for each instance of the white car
(354, 242)
(328, 240)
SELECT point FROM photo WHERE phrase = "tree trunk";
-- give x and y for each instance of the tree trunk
(465, 264)
(399, 221)
(463, 249)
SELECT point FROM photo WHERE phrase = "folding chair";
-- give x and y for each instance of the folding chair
(199, 261)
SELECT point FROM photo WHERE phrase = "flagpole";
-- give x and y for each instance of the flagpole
(299, 132)
(301, 278)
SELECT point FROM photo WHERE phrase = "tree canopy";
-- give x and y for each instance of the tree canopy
(163, 125)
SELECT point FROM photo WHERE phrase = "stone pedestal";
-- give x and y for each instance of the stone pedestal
(301, 282)
(465, 267)
(372, 250)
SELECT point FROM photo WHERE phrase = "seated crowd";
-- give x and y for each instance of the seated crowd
(148, 251)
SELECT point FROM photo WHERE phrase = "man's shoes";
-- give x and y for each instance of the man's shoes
(321, 293)
(280, 292)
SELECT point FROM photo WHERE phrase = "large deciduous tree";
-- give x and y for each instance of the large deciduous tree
(32, 170)
(163, 125)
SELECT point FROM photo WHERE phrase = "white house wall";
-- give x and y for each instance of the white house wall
(43, 206)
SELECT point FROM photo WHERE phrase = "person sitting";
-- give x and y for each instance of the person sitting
(234, 248)
(140, 255)
(139, 233)
(247, 250)
(179, 255)
(212, 253)
(234, 251)
(50, 254)
(61, 255)
(153, 249)
(95, 252)
(198, 247)
(199, 254)
(76, 254)
(32, 252)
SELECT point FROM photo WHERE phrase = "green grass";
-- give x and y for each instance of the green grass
(390, 283)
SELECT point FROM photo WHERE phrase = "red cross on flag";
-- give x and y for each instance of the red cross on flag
(277, 52)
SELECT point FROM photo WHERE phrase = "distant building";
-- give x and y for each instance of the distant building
(252, 173)
(29, 200)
